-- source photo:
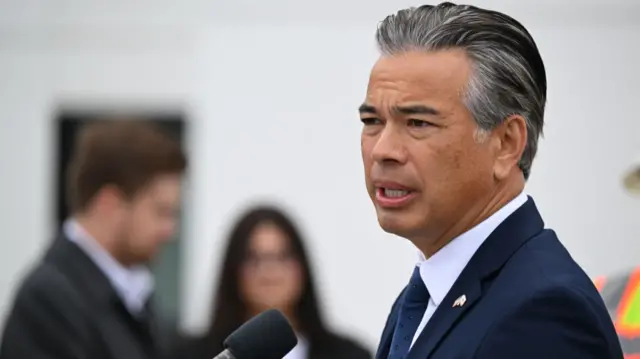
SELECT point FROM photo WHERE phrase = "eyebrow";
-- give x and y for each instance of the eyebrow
(366, 108)
(405, 110)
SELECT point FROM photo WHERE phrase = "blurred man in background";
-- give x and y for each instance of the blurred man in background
(453, 112)
(88, 298)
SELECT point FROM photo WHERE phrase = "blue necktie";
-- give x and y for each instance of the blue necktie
(414, 304)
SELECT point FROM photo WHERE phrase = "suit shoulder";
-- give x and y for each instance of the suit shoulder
(543, 273)
(46, 282)
(44, 277)
(546, 298)
(46, 305)
(552, 321)
(568, 297)
(544, 264)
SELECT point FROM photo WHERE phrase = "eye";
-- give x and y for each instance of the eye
(370, 121)
(418, 123)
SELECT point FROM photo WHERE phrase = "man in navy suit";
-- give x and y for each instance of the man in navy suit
(452, 117)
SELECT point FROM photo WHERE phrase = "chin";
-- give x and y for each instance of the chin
(266, 305)
(395, 223)
(143, 258)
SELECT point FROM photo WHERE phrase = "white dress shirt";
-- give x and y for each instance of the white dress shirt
(134, 285)
(441, 270)
(300, 351)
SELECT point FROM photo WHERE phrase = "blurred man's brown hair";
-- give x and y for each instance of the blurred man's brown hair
(127, 154)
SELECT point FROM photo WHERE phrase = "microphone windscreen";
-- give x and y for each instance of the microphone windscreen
(265, 336)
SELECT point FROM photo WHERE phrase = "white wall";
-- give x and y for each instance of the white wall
(272, 96)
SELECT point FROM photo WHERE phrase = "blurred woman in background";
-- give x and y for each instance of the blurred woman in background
(266, 266)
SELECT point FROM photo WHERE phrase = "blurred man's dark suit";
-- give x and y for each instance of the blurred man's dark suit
(66, 308)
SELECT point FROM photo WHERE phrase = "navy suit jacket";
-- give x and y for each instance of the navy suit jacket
(526, 298)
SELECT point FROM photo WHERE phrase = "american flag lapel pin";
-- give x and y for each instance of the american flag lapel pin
(460, 301)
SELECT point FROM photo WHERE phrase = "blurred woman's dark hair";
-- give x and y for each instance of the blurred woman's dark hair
(230, 310)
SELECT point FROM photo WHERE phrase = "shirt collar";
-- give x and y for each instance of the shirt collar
(300, 351)
(441, 270)
(134, 284)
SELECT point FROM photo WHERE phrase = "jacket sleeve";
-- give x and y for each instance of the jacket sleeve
(46, 322)
(560, 323)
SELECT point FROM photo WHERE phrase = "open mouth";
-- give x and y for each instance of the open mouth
(394, 193)
(393, 197)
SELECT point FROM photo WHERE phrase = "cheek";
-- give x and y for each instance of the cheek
(363, 148)
(140, 220)
(457, 152)
(249, 286)
(476, 157)
(150, 222)
(246, 279)
(295, 278)
(166, 227)
(443, 168)
(144, 228)
(366, 145)
(469, 167)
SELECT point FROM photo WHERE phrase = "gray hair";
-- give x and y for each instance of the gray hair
(508, 73)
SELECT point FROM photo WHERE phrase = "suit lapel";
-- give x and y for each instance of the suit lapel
(76, 264)
(505, 240)
(387, 333)
(447, 315)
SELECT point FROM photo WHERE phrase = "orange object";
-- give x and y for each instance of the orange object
(621, 295)
(599, 282)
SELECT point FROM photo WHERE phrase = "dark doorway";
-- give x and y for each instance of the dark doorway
(167, 267)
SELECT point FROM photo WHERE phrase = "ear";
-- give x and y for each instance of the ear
(511, 140)
(109, 198)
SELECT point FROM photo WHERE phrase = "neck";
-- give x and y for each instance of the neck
(477, 213)
(99, 232)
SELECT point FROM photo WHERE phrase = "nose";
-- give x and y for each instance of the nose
(389, 147)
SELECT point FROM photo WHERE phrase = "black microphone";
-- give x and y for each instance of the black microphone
(268, 335)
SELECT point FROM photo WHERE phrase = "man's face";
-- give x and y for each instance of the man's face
(150, 219)
(423, 166)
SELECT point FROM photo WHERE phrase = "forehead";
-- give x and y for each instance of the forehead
(418, 75)
(268, 237)
(163, 188)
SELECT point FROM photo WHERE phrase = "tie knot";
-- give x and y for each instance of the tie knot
(417, 291)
